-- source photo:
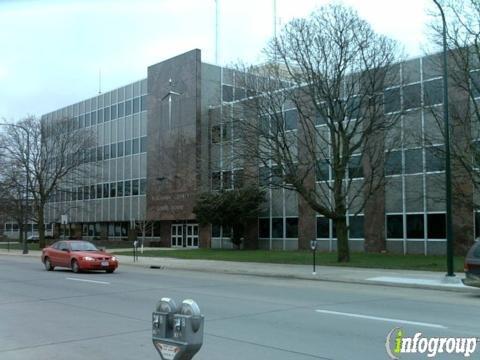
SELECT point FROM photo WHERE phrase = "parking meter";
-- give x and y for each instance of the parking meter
(313, 246)
(177, 332)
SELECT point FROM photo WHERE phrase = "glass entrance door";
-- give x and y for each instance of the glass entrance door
(192, 235)
(177, 235)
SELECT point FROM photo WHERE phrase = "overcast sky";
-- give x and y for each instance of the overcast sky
(52, 50)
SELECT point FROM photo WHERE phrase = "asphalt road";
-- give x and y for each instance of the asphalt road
(61, 315)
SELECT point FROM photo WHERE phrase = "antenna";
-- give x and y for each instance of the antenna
(99, 80)
(275, 19)
(217, 15)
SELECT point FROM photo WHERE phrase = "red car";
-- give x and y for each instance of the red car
(78, 255)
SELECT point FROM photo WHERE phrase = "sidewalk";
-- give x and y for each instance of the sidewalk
(387, 277)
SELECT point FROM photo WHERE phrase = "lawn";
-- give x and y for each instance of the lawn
(363, 260)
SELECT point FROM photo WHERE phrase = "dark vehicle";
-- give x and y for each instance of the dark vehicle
(78, 256)
(472, 266)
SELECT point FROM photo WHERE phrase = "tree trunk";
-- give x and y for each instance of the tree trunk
(343, 251)
(41, 227)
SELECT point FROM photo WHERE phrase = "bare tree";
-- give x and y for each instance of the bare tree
(317, 125)
(56, 157)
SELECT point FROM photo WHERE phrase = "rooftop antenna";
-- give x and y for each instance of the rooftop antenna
(275, 19)
(99, 80)
(217, 15)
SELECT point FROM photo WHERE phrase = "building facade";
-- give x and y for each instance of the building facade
(165, 139)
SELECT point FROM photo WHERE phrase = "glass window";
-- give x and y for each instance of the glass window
(81, 119)
(120, 188)
(436, 226)
(113, 151)
(128, 147)
(128, 107)
(277, 227)
(106, 152)
(99, 116)
(143, 186)
(87, 120)
(136, 105)
(127, 188)
(215, 230)
(291, 227)
(106, 190)
(120, 149)
(264, 228)
(106, 114)
(86, 192)
(227, 180)
(100, 153)
(395, 226)
(136, 146)
(144, 103)
(415, 228)
(413, 161)
(393, 163)
(433, 92)
(411, 96)
(135, 187)
(216, 180)
(323, 228)
(92, 191)
(227, 93)
(143, 144)
(355, 168)
(240, 93)
(356, 227)
(113, 112)
(435, 158)
(291, 119)
(322, 171)
(391, 100)
(216, 134)
(93, 117)
(113, 189)
(121, 110)
(99, 191)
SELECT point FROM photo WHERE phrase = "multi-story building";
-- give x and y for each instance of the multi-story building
(161, 142)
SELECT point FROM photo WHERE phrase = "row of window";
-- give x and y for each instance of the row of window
(432, 95)
(227, 179)
(112, 151)
(31, 227)
(434, 161)
(101, 191)
(120, 229)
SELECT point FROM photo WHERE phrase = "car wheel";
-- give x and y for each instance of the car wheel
(75, 267)
(48, 265)
(109, 271)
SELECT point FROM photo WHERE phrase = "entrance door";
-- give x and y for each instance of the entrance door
(192, 235)
(177, 235)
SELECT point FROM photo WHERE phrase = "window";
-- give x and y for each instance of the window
(216, 180)
(135, 146)
(121, 110)
(143, 144)
(415, 228)
(106, 152)
(87, 120)
(435, 158)
(227, 180)
(113, 189)
(411, 96)
(394, 226)
(143, 186)
(92, 191)
(136, 105)
(128, 147)
(113, 112)
(322, 171)
(216, 134)
(106, 190)
(79, 193)
(240, 93)
(433, 92)
(86, 192)
(100, 153)
(436, 226)
(391, 98)
(106, 114)
(120, 188)
(93, 155)
(355, 168)
(227, 93)
(264, 176)
(393, 163)
(143, 101)
(291, 227)
(135, 187)
(215, 230)
(413, 161)
(81, 119)
(277, 227)
(128, 107)
(113, 151)
(356, 227)
(100, 116)
(238, 178)
(323, 228)
(291, 119)
(120, 149)
(264, 228)
(99, 191)
(127, 188)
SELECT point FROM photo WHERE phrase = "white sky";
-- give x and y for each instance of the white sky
(52, 50)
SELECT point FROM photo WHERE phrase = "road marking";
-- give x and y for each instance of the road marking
(382, 319)
(90, 281)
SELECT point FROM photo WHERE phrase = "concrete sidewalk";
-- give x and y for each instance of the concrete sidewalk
(387, 277)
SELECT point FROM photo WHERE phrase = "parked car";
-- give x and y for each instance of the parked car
(78, 256)
(33, 239)
(472, 266)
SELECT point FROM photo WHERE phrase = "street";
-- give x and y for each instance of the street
(59, 315)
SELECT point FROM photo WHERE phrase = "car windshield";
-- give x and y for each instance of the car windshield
(82, 246)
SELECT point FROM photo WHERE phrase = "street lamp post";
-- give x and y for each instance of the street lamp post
(448, 173)
(27, 174)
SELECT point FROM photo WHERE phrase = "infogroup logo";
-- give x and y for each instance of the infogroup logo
(397, 343)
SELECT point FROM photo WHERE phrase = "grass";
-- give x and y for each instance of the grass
(362, 260)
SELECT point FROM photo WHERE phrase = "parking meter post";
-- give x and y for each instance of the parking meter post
(177, 332)
(313, 246)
